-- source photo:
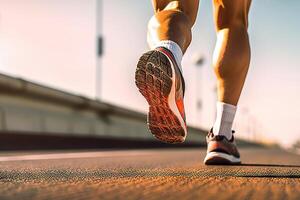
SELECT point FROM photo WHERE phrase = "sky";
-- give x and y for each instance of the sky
(53, 42)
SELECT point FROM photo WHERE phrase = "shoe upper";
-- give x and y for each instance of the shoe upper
(219, 143)
(179, 82)
(180, 87)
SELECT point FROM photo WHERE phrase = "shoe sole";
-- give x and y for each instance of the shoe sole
(155, 79)
(218, 158)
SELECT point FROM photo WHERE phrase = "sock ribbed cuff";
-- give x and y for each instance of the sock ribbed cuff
(224, 120)
(174, 48)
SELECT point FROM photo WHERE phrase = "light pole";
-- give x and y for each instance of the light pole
(198, 61)
(99, 46)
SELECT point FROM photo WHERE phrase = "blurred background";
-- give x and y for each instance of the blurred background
(88, 49)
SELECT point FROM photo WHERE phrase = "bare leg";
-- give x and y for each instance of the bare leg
(158, 74)
(173, 20)
(231, 62)
(232, 53)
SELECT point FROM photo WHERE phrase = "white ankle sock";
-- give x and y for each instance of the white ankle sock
(224, 119)
(174, 48)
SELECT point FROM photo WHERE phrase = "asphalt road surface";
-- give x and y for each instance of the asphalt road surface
(148, 174)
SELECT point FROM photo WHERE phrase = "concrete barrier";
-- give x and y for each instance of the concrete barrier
(29, 107)
(32, 109)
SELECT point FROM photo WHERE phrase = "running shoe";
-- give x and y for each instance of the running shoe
(160, 81)
(221, 151)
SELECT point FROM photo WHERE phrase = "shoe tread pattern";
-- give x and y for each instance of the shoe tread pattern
(153, 78)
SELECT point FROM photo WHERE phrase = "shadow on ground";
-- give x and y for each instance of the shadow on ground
(268, 165)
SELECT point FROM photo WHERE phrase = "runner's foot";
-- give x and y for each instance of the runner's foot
(221, 151)
(160, 81)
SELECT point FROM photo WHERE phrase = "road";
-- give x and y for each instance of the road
(147, 174)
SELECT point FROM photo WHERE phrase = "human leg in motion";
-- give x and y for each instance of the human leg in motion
(232, 53)
(231, 62)
(158, 74)
(173, 21)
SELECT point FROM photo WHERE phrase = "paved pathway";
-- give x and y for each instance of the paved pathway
(148, 174)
